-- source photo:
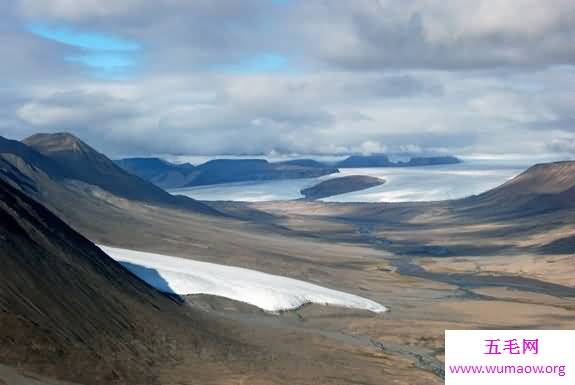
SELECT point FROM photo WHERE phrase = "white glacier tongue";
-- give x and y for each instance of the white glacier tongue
(269, 292)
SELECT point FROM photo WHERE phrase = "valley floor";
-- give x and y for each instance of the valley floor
(433, 268)
(501, 259)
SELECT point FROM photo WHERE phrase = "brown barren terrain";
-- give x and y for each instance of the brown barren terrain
(502, 259)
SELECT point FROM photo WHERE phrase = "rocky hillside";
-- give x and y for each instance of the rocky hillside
(541, 188)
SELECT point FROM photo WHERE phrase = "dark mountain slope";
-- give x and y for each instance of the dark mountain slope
(17, 149)
(76, 160)
(69, 311)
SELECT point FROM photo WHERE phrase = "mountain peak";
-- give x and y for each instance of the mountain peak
(78, 161)
(57, 143)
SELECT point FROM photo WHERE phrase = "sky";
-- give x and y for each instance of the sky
(250, 77)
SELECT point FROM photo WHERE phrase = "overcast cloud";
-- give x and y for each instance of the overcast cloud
(292, 76)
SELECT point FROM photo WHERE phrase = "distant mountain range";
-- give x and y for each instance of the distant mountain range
(169, 175)
(382, 160)
(158, 171)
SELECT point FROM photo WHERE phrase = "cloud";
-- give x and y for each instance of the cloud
(87, 40)
(564, 143)
(265, 62)
(352, 35)
(76, 10)
(441, 34)
(257, 76)
(255, 114)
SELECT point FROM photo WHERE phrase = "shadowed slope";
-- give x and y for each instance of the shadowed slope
(62, 300)
(15, 149)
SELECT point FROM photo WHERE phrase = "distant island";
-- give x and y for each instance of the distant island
(341, 185)
(382, 160)
(170, 175)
